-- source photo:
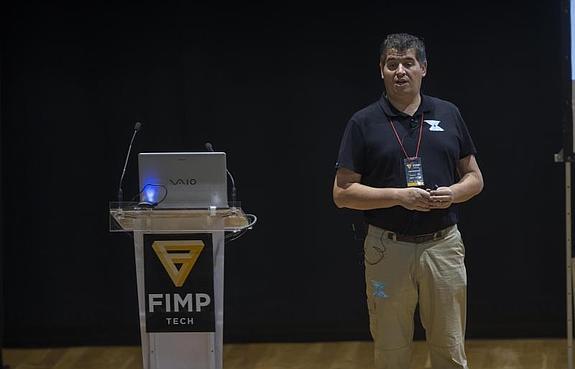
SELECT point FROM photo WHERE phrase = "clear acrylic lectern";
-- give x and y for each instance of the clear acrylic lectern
(180, 280)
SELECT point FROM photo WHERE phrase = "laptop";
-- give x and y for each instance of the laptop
(195, 180)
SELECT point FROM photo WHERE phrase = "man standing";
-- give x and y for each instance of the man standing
(406, 160)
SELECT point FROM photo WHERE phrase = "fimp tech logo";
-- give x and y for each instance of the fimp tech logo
(179, 283)
(173, 253)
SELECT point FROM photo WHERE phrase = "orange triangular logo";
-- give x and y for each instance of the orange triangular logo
(172, 253)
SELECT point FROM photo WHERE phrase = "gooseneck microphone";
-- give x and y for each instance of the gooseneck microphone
(137, 127)
(210, 148)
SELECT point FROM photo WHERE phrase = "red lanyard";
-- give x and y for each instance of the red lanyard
(418, 141)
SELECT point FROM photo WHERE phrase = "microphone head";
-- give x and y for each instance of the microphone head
(137, 126)
(209, 147)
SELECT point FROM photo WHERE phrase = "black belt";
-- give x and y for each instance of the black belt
(419, 238)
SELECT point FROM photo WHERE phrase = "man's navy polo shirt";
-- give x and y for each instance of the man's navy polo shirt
(370, 147)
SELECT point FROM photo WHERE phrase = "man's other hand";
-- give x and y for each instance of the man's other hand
(442, 198)
(415, 199)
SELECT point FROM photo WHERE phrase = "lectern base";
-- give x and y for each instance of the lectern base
(181, 350)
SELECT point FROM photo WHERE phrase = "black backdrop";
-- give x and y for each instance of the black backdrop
(273, 86)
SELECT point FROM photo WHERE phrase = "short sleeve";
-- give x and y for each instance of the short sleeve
(352, 148)
(466, 145)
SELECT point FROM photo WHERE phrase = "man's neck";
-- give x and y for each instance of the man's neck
(407, 105)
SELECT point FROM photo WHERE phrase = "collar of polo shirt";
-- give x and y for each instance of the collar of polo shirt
(426, 106)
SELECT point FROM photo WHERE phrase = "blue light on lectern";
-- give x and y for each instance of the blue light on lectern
(151, 192)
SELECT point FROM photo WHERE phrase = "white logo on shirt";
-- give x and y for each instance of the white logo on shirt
(434, 125)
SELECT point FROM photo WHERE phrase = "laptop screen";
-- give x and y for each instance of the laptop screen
(183, 179)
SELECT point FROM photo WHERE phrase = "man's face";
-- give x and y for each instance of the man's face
(402, 73)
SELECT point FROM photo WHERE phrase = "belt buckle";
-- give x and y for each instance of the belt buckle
(440, 234)
(420, 238)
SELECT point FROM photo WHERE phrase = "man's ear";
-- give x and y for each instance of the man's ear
(381, 69)
(424, 68)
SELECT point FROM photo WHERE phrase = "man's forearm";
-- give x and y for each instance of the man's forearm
(468, 186)
(361, 197)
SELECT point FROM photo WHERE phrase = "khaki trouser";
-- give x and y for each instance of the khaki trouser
(401, 274)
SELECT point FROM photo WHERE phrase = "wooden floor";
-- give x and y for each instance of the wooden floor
(488, 354)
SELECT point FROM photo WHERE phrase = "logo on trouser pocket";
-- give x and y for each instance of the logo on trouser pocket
(378, 290)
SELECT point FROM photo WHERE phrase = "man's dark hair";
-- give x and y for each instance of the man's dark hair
(403, 42)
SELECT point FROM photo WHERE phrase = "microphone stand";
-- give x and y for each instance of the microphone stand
(120, 191)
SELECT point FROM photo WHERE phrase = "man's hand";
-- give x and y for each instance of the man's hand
(415, 199)
(441, 198)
